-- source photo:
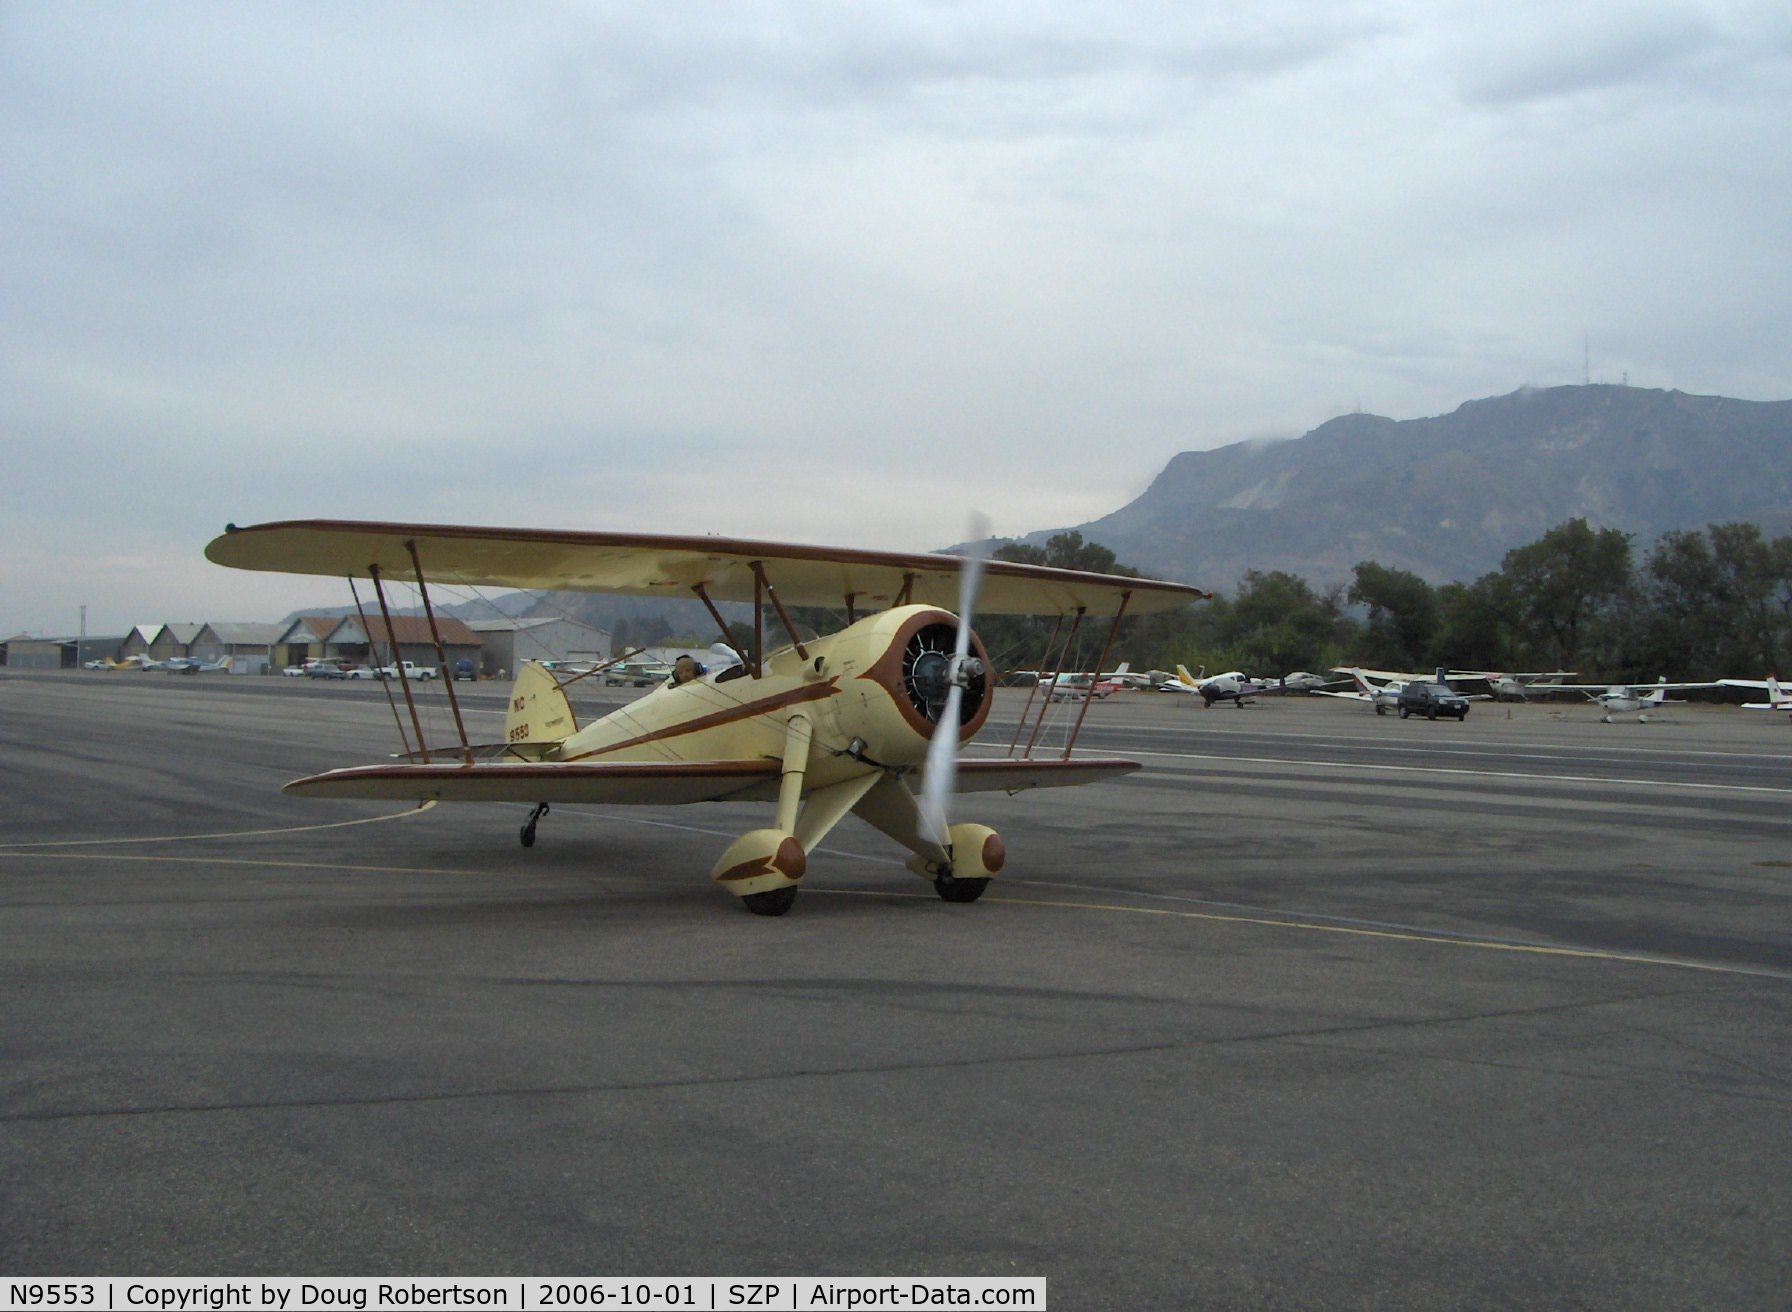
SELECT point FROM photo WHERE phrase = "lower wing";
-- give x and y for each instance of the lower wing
(631, 783)
(1017, 776)
(650, 783)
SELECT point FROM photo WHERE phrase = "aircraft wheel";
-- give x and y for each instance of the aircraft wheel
(1380, 709)
(527, 835)
(960, 890)
(772, 902)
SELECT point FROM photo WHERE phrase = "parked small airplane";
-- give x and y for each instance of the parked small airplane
(845, 723)
(1120, 678)
(1624, 698)
(1232, 686)
(1778, 697)
(1300, 681)
(1076, 688)
(1123, 678)
(1384, 697)
(1514, 687)
(193, 665)
(1381, 688)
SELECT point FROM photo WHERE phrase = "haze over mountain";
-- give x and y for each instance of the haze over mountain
(1446, 497)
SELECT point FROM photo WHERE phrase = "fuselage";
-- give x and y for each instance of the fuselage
(865, 691)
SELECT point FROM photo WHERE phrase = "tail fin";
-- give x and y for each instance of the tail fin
(1123, 667)
(539, 712)
(1775, 693)
(1183, 676)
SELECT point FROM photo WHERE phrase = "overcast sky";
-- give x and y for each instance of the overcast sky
(826, 273)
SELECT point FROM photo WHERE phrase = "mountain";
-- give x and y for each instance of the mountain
(1447, 497)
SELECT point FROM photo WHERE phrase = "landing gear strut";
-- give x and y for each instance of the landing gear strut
(527, 833)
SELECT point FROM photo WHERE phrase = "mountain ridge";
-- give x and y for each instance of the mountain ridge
(1447, 496)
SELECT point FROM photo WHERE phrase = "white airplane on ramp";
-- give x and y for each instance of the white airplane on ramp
(1778, 697)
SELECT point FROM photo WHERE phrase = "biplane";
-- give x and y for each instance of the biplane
(866, 721)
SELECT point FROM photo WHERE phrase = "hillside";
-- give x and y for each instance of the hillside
(1447, 497)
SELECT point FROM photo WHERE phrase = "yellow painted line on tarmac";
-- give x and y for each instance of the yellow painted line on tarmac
(1490, 945)
(6, 848)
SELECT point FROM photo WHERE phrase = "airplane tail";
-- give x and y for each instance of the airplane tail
(1184, 677)
(1775, 694)
(538, 712)
(1123, 667)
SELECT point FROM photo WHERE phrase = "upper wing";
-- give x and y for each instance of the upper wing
(632, 783)
(650, 565)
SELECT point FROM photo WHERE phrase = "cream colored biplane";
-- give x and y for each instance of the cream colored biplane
(849, 722)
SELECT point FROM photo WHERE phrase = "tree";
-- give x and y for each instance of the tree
(1402, 614)
(1476, 624)
(1566, 583)
(1278, 624)
(1019, 640)
(1711, 602)
(1065, 550)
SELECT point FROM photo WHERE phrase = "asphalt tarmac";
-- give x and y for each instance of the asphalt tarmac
(1321, 1009)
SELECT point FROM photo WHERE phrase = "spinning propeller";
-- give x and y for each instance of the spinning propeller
(939, 780)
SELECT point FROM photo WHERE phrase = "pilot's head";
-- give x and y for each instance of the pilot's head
(685, 669)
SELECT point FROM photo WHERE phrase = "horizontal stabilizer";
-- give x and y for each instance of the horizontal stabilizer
(623, 783)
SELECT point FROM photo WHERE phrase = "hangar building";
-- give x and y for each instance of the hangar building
(509, 642)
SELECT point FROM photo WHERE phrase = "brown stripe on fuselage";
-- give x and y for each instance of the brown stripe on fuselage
(813, 692)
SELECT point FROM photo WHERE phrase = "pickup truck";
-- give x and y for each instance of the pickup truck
(419, 672)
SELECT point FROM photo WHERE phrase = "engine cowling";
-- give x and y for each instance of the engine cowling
(894, 670)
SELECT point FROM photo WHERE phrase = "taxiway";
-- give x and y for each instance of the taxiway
(1319, 1009)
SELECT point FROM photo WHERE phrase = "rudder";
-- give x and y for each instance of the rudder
(538, 712)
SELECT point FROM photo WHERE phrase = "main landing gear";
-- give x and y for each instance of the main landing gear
(772, 902)
(954, 889)
(527, 833)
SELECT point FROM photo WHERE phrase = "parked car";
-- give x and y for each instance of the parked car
(294, 671)
(324, 670)
(465, 669)
(1432, 700)
(411, 671)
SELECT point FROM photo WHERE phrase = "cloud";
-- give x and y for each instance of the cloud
(791, 271)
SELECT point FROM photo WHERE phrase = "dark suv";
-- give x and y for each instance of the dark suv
(1432, 700)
